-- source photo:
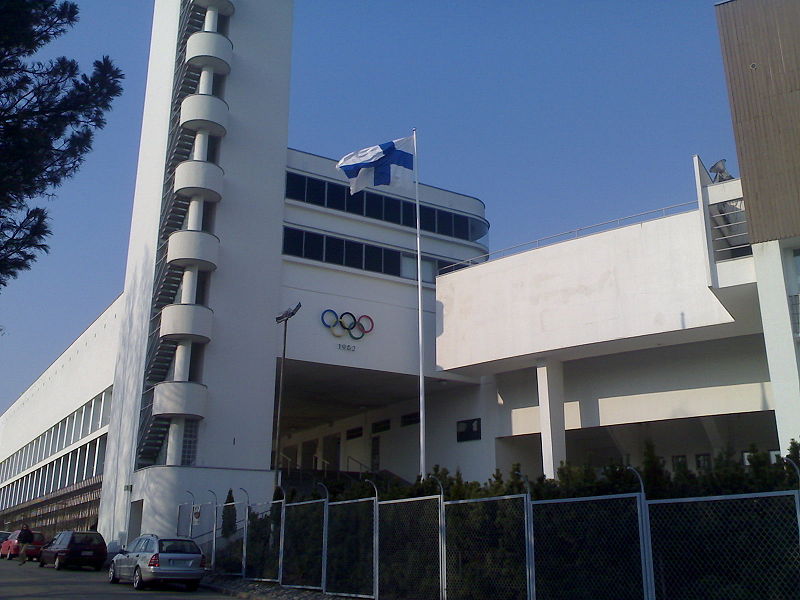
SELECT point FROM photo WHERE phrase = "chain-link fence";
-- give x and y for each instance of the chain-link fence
(302, 547)
(620, 547)
(350, 565)
(487, 536)
(409, 541)
(588, 548)
(726, 547)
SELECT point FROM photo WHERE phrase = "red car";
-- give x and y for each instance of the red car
(10, 548)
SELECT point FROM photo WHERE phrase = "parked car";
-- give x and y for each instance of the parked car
(150, 559)
(4, 536)
(74, 548)
(10, 547)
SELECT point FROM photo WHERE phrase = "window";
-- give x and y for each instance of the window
(354, 433)
(315, 191)
(292, 241)
(381, 426)
(334, 250)
(189, 451)
(392, 210)
(373, 258)
(374, 206)
(313, 246)
(678, 462)
(354, 254)
(702, 462)
(355, 203)
(295, 187)
(409, 419)
(468, 430)
(337, 196)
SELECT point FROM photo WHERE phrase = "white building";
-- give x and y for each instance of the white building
(578, 351)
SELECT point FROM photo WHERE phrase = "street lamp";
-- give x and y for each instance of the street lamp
(281, 318)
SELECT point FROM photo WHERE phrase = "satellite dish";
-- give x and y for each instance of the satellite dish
(720, 172)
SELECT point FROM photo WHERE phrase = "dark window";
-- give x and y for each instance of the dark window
(354, 254)
(295, 187)
(178, 547)
(391, 210)
(468, 430)
(355, 432)
(477, 229)
(381, 426)
(334, 250)
(292, 241)
(678, 462)
(315, 192)
(427, 218)
(391, 262)
(337, 196)
(313, 247)
(444, 222)
(409, 419)
(373, 258)
(702, 462)
(461, 227)
(409, 214)
(355, 203)
(374, 209)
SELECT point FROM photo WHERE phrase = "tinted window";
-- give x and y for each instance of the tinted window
(409, 214)
(295, 187)
(337, 196)
(334, 250)
(355, 203)
(87, 539)
(292, 242)
(315, 192)
(461, 227)
(354, 254)
(373, 258)
(178, 547)
(391, 210)
(427, 217)
(444, 222)
(391, 262)
(374, 208)
(313, 247)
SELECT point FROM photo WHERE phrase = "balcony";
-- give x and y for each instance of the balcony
(199, 178)
(729, 232)
(187, 248)
(203, 112)
(209, 49)
(186, 322)
(224, 7)
(180, 398)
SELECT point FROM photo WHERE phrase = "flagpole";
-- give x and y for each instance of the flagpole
(422, 469)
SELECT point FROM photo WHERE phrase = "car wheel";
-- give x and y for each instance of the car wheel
(192, 586)
(58, 564)
(112, 576)
(138, 584)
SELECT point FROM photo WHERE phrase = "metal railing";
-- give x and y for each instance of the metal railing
(614, 547)
(650, 215)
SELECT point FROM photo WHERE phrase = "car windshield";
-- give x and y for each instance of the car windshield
(38, 538)
(178, 547)
(87, 538)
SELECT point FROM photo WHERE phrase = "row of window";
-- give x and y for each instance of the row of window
(384, 425)
(384, 208)
(357, 255)
(79, 465)
(87, 419)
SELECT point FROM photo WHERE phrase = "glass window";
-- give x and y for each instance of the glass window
(427, 218)
(381, 426)
(468, 430)
(373, 258)
(392, 210)
(409, 214)
(86, 427)
(313, 246)
(374, 206)
(354, 433)
(91, 454)
(101, 454)
(315, 191)
(97, 412)
(295, 187)
(334, 250)
(292, 241)
(354, 254)
(108, 398)
(337, 196)
(444, 222)
(189, 450)
(355, 203)
(391, 262)
(461, 227)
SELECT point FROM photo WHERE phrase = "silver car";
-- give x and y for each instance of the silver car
(150, 559)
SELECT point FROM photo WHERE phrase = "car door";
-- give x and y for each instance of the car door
(127, 560)
(48, 554)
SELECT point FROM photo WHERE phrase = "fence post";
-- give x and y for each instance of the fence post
(530, 567)
(246, 525)
(442, 542)
(214, 533)
(325, 538)
(788, 460)
(283, 529)
(645, 540)
(375, 543)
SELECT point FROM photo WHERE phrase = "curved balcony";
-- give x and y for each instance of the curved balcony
(186, 248)
(204, 112)
(180, 398)
(209, 49)
(224, 7)
(199, 178)
(186, 322)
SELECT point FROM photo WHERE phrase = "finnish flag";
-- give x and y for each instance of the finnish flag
(389, 163)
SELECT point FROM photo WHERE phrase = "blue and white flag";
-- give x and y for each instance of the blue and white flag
(389, 163)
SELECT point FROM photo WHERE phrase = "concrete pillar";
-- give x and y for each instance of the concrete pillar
(175, 441)
(773, 290)
(194, 215)
(189, 285)
(212, 17)
(200, 148)
(550, 383)
(206, 83)
(183, 353)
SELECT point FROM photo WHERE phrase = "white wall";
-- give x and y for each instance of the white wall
(81, 372)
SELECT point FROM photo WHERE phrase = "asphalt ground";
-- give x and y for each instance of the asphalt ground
(29, 582)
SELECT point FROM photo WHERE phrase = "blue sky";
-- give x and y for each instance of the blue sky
(556, 114)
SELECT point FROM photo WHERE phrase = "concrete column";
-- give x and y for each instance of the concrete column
(194, 215)
(200, 149)
(778, 336)
(189, 285)
(206, 83)
(210, 23)
(183, 354)
(175, 441)
(550, 383)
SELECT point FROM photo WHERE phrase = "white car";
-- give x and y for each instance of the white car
(151, 559)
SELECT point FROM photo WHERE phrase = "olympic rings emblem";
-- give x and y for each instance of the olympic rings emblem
(347, 324)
